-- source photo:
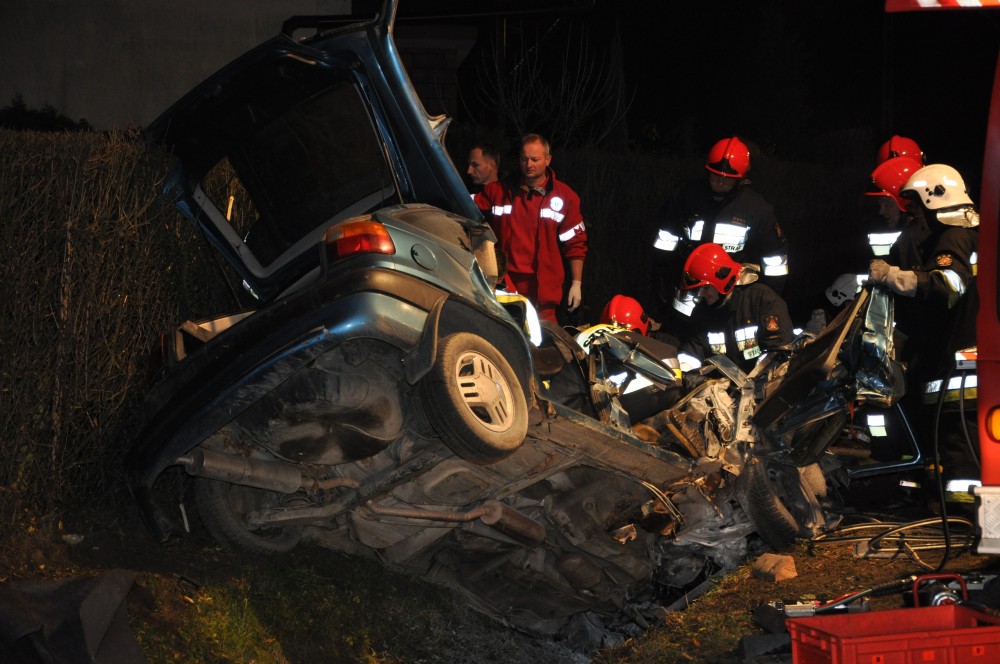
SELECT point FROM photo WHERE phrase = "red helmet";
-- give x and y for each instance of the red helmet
(729, 157)
(890, 176)
(900, 146)
(709, 264)
(625, 311)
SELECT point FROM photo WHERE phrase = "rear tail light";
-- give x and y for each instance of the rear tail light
(357, 237)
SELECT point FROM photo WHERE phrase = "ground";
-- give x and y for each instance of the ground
(373, 615)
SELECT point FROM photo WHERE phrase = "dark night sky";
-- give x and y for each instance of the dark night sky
(824, 82)
(783, 73)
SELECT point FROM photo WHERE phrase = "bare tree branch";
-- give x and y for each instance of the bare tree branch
(577, 97)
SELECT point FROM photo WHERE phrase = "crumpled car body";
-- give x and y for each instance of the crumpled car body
(374, 397)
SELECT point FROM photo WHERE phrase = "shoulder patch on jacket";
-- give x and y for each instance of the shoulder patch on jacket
(944, 260)
(771, 323)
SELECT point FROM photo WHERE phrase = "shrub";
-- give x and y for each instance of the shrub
(95, 265)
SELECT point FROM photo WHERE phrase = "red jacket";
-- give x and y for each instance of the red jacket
(536, 231)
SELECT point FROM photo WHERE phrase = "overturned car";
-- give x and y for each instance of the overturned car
(377, 399)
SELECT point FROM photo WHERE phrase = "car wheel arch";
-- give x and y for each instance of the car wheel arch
(450, 316)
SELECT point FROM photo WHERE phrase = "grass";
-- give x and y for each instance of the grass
(310, 610)
(312, 606)
(194, 602)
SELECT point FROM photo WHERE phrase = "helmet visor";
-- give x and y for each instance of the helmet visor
(723, 167)
(690, 282)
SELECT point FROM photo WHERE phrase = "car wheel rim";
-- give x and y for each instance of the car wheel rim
(484, 391)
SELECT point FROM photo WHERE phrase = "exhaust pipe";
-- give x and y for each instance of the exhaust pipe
(270, 475)
(499, 516)
(516, 525)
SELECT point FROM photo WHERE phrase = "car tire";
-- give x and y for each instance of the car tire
(474, 399)
(779, 499)
(223, 507)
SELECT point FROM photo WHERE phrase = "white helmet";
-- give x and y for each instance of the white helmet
(843, 288)
(938, 186)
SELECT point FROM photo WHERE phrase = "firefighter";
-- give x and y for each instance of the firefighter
(641, 396)
(626, 312)
(934, 272)
(900, 146)
(538, 226)
(736, 315)
(722, 209)
(937, 303)
(888, 178)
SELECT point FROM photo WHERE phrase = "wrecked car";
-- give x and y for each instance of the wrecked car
(375, 398)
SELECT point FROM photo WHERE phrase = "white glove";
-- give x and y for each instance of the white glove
(574, 297)
(817, 321)
(878, 271)
(901, 282)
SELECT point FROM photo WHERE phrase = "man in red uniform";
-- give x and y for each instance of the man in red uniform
(538, 226)
(484, 164)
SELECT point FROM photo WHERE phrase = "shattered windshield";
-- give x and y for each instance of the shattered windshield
(291, 178)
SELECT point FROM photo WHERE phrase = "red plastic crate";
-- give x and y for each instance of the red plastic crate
(949, 634)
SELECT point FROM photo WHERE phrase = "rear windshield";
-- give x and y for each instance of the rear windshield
(290, 179)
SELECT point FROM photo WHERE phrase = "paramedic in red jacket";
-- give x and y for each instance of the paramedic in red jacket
(538, 226)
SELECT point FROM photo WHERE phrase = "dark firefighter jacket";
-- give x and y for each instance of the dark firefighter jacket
(742, 222)
(940, 318)
(751, 320)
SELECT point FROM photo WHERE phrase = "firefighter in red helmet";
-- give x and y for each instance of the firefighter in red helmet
(626, 312)
(722, 209)
(735, 314)
(900, 146)
(887, 180)
(933, 278)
